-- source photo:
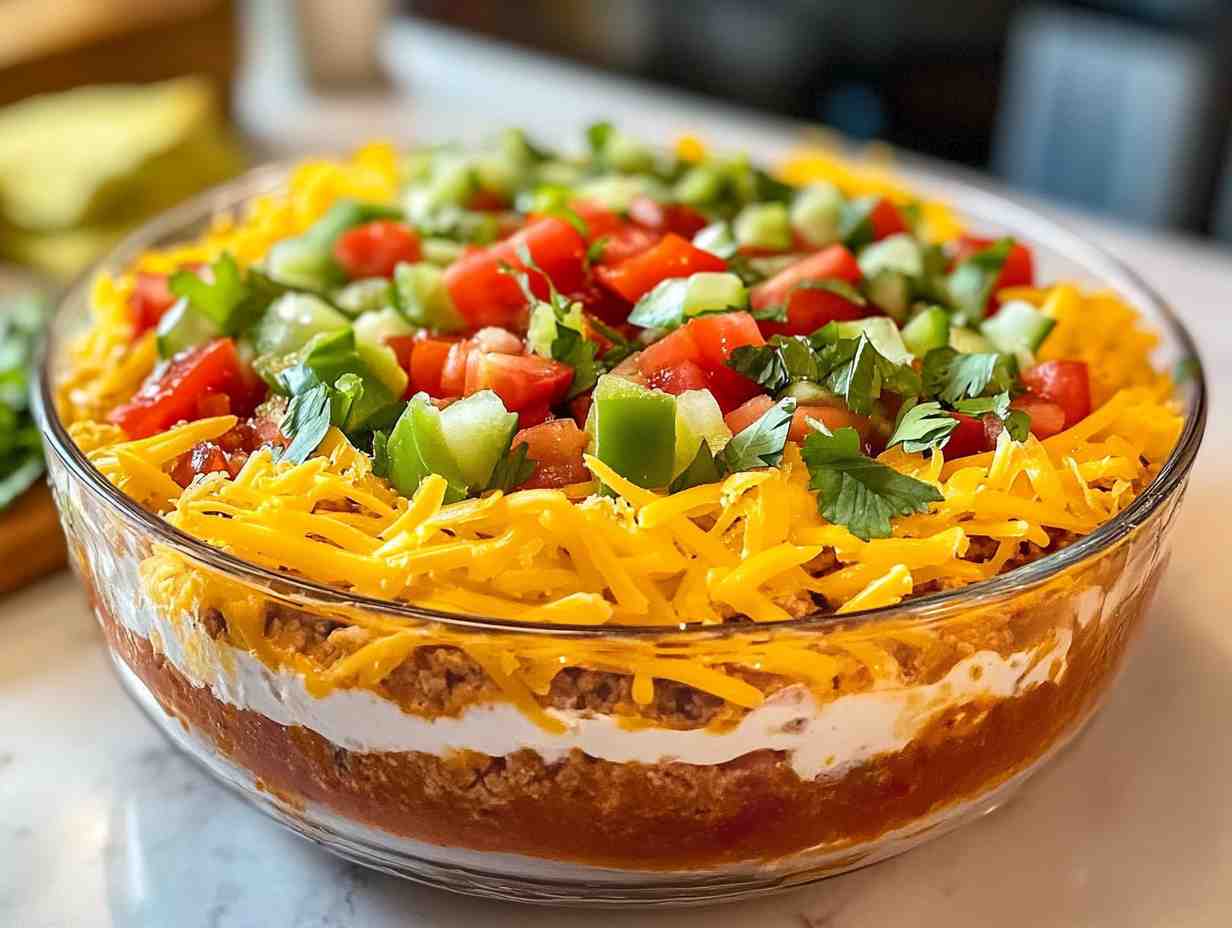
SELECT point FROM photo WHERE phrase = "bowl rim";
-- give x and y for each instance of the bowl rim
(970, 198)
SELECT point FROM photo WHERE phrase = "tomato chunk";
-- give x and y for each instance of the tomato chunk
(427, 363)
(523, 382)
(556, 448)
(374, 249)
(832, 417)
(175, 391)
(151, 297)
(687, 375)
(1017, 271)
(717, 335)
(1066, 383)
(485, 295)
(1047, 419)
(673, 256)
(706, 343)
(453, 369)
(747, 413)
(809, 309)
(626, 241)
(667, 217)
(600, 220)
(970, 437)
(886, 220)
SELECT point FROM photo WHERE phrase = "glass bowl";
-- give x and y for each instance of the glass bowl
(972, 690)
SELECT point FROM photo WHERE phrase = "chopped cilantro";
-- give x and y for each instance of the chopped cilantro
(760, 444)
(954, 377)
(856, 491)
(923, 427)
(306, 421)
(703, 469)
(513, 469)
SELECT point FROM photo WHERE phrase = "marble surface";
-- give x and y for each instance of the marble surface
(102, 823)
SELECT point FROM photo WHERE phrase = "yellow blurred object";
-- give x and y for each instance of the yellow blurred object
(77, 169)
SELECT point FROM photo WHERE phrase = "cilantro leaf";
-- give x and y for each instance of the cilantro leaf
(306, 421)
(662, 307)
(230, 298)
(569, 347)
(998, 405)
(856, 491)
(703, 469)
(760, 444)
(780, 362)
(513, 469)
(594, 251)
(775, 313)
(21, 448)
(954, 377)
(858, 372)
(923, 427)
(835, 285)
(1018, 424)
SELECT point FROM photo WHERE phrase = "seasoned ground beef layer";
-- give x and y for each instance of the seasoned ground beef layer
(656, 816)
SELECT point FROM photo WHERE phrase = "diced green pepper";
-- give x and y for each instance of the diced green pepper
(635, 431)
(928, 329)
(422, 297)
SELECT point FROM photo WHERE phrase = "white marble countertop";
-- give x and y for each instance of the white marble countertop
(102, 823)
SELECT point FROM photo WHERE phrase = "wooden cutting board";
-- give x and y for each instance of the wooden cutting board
(31, 543)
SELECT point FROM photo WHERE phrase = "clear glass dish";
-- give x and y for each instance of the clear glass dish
(992, 681)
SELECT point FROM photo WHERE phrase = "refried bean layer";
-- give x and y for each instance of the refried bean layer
(650, 816)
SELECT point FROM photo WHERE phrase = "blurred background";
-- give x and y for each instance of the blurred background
(1119, 107)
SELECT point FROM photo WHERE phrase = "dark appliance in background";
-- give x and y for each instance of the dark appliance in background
(1118, 106)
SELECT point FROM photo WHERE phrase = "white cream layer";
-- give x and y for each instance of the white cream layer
(820, 738)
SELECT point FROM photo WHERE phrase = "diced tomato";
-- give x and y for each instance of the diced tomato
(679, 218)
(423, 359)
(718, 334)
(626, 241)
(539, 413)
(376, 248)
(600, 220)
(970, 437)
(427, 363)
(1066, 383)
(670, 351)
(174, 391)
(401, 346)
(706, 342)
(556, 448)
(210, 405)
(676, 380)
(523, 382)
(601, 303)
(886, 220)
(673, 256)
(1047, 419)
(1018, 270)
(485, 295)
(579, 408)
(747, 413)
(494, 338)
(809, 309)
(832, 417)
(453, 369)
(151, 297)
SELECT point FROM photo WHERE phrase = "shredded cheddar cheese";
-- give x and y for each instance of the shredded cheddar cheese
(753, 545)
